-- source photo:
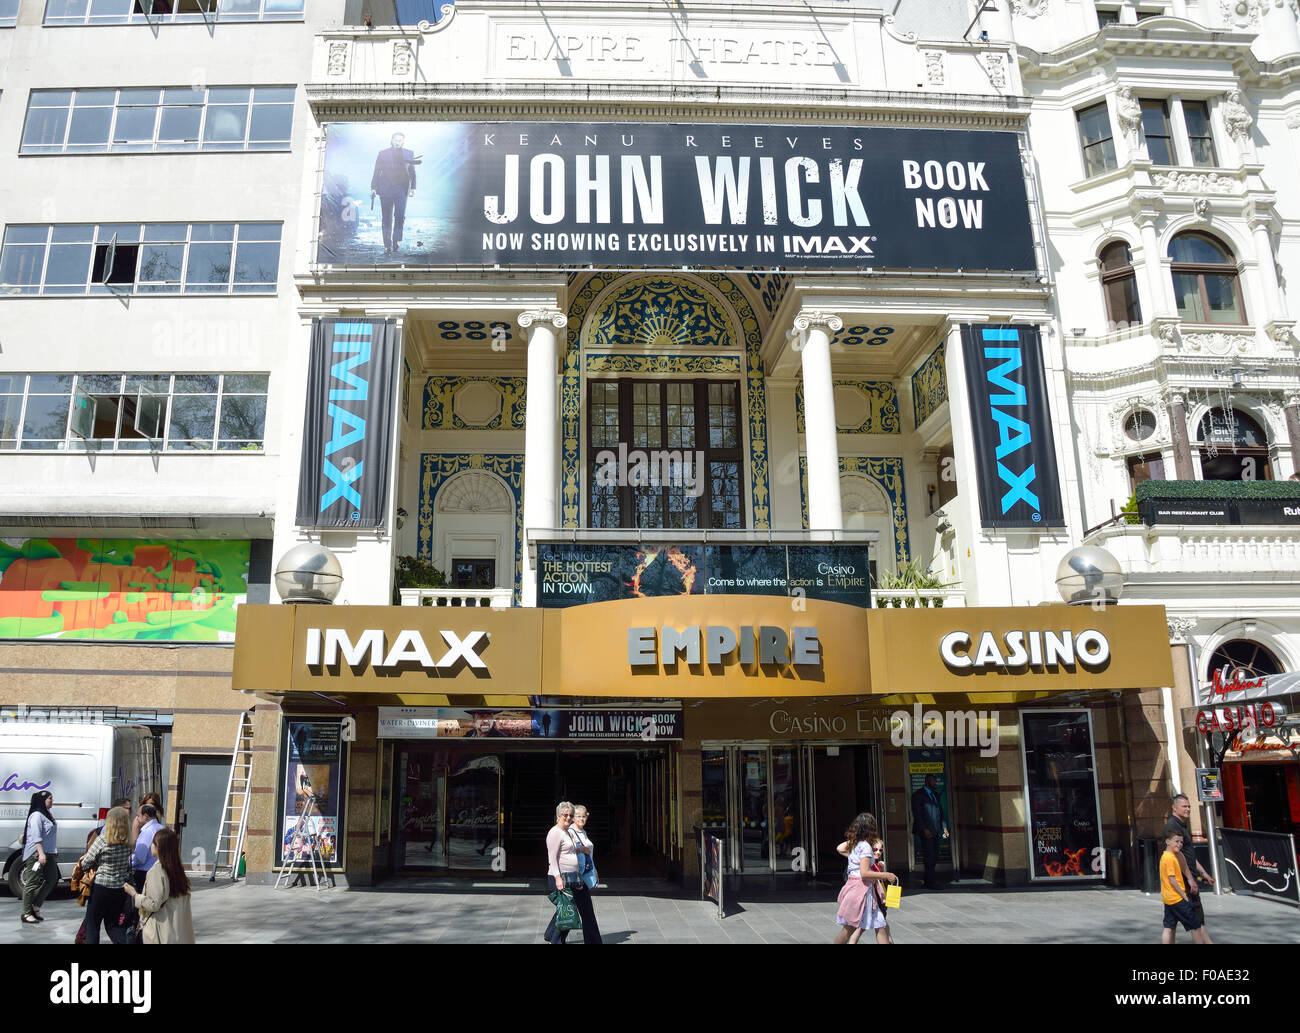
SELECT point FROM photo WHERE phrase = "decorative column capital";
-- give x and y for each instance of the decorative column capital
(554, 316)
(1259, 213)
(1179, 627)
(1174, 397)
(816, 319)
(1291, 400)
(1166, 330)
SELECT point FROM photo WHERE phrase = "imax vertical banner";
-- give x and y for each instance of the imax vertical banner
(1015, 454)
(347, 431)
(702, 195)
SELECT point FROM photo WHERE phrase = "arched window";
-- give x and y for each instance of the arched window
(1119, 284)
(1245, 655)
(1233, 447)
(1205, 280)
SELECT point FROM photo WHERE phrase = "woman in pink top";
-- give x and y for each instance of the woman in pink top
(562, 867)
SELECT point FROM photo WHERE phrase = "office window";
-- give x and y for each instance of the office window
(154, 12)
(8, 13)
(1107, 16)
(135, 258)
(1205, 280)
(1196, 114)
(225, 118)
(125, 412)
(1119, 284)
(1095, 136)
(1156, 129)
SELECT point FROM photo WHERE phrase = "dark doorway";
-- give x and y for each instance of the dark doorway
(843, 779)
(1267, 807)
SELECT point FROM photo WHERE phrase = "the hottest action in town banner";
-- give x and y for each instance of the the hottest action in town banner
(762, 196)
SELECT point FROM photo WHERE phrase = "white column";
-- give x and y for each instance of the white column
(1280, 30)
(1153, 260)
(820, 435)
(1259, 217)
(541, 432)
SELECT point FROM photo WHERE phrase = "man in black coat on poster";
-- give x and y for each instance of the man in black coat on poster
(394, 182)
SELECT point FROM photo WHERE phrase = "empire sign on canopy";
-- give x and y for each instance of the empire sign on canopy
(461, 193)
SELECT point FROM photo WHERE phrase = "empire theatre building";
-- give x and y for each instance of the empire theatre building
(694, 388)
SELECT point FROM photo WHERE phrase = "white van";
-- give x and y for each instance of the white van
(85, 766)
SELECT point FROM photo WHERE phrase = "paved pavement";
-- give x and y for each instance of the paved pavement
(641, 911)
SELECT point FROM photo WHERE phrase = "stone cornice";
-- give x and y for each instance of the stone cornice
(632, 101)
(1170, 38)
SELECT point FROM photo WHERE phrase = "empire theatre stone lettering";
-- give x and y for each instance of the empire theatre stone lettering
(608, 48)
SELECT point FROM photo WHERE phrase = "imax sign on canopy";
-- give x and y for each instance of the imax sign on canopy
(331, 646)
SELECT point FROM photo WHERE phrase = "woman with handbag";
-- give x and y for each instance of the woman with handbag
(586, 872)
(562, 867)
(860, 908)
(110, 856)
(164, 903)
(40, 856)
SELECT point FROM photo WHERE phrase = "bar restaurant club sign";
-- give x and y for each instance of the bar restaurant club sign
(624, 194)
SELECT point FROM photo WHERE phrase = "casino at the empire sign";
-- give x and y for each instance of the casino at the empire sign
(656, 195)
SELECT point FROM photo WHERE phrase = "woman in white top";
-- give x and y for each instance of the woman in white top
(40, 856)
(585, 849)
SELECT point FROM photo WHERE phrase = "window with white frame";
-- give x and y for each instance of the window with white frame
(216, 118)
(1097, 140)
(126, 412)
(141, 258)
(1178, 131)
(153, 12)
(8, 13)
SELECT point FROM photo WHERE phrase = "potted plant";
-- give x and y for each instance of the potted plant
(915, 578)
(416, 572)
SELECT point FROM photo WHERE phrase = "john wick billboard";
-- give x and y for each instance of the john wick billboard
(631, 194)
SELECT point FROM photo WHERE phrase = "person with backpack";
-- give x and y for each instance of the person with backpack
(40, 856)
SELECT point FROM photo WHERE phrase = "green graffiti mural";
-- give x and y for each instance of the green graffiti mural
(128, 590)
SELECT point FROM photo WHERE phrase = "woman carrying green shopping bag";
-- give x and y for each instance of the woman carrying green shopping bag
(562, 867)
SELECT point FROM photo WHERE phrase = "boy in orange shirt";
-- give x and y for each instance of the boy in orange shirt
(1178, 907)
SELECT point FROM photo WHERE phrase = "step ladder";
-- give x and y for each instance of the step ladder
(234, 815)
(306, 830)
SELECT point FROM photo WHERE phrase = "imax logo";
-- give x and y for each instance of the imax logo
(1014, 433)
(348, 428)
(327, 646)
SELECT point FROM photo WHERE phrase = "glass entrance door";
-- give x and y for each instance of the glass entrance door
(448, 809)
(784, 806)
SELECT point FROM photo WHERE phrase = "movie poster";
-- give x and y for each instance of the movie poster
(921, 763)
(1061, 792)
(314, 772)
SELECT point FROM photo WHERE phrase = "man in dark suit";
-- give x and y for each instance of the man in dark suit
(928, 825)
(394, 182)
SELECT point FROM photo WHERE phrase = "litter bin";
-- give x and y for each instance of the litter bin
(1149, 850)
(1115, 868)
